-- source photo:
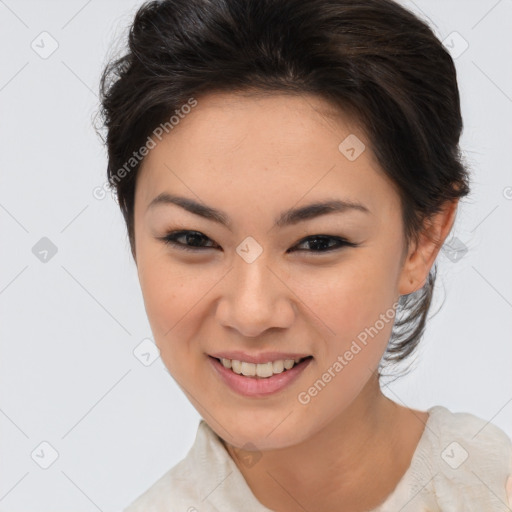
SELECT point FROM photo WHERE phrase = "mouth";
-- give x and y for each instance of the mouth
(260, 370)
(259, 380)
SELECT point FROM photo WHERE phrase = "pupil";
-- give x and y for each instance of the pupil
(194, 236)
(319, 243)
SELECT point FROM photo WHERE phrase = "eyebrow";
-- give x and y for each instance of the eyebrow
(286, 218)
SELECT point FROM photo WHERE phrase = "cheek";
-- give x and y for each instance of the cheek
(167, 300)
(167, 292)
(174, 298)
(160, 289)
(350, 296)
(356, 302)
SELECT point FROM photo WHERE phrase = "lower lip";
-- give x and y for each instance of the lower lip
(258, 387)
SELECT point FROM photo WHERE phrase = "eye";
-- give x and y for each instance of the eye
(195, 240)
(321, 243)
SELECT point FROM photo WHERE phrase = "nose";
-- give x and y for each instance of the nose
(254, 299)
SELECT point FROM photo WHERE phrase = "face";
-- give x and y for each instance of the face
(245, 281)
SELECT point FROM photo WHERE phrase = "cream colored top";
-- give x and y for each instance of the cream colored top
(461, 464)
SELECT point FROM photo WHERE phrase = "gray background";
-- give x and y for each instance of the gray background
(72, 371)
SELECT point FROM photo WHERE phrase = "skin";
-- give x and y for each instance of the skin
(253, 157)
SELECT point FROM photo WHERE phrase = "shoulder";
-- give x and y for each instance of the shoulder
(207, 479)
(163, 494)
(469, 461)
(177, 489)
(464, 437)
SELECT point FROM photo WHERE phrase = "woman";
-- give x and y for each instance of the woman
(288, 171)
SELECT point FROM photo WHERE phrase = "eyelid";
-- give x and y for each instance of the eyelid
(183, 232)
(341, 242)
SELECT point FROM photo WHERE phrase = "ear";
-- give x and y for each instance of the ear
(423, 253)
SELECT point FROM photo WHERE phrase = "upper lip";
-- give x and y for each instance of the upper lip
(262, 357)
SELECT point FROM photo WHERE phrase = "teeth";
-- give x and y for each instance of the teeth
(236, 366)
(248, 369)
(263, 370)
(278, 366)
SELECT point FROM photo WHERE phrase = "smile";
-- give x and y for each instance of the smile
(258, 380)
(260, 370)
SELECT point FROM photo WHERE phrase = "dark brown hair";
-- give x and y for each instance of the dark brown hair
(372, 58)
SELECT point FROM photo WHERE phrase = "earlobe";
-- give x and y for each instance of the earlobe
(414, 286)
(414, 272)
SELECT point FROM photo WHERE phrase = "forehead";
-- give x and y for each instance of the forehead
(238, 148)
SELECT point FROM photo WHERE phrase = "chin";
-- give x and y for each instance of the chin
(263, 433)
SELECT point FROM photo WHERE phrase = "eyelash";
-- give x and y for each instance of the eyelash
(170, 239)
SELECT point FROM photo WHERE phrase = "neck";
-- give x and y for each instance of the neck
(356, 460)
